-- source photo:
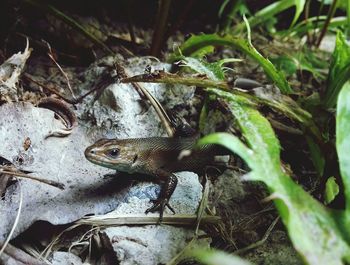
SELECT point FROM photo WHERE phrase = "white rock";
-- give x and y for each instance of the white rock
(150, 245)
(59, 159)
(65, 258)
(119, 107)
(120, 114)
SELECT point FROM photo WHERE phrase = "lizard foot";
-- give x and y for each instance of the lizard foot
(159, 205)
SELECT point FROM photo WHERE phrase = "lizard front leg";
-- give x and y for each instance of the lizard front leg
(166, 191)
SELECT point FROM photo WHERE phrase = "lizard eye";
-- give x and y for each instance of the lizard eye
(113, 153)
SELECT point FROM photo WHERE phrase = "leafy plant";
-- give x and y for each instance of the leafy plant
(196, 43)
(270, 11)
(332, 190)
(285, 64)
(343, 146)
(319, 234)
(313, 229)
(339, 71)
(215, 257)
(234, 9)
(313, 24)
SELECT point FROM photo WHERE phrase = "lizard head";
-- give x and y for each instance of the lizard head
(113, 153)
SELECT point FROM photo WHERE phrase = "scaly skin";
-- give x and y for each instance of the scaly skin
(155, 156)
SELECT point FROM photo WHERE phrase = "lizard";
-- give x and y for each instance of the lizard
(158, 157)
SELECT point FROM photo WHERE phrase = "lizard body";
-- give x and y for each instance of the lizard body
(159, 157)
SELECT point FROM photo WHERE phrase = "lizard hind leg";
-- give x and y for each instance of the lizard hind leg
(162, 201)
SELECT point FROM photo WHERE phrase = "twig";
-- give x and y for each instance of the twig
(141, 219)
(50, 54)
(154, 102)
(53, 91)
(16, 220)
(181, 18)
(168, 78)
(260, 242)
(63, 111)
(284, 128)
(326, 24)
(86, 236)
(306, 19)
(316, 23)
(129, 22)
(32, 251)
(21, 256)
(120, 70)
(177, 258)
(160, 26)
(46, 252)
(160, 111)
(203, 204)
(23, 175)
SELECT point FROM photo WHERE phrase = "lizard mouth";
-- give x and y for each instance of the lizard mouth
(89, 152)
(92, 155)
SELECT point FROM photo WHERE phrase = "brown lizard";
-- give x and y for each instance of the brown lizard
(159, 157)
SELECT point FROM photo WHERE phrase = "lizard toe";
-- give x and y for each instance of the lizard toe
(159, 205)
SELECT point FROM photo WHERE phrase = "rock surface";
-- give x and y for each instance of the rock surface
(65, 258)
(59, 159)
(117, 113)
(150, 245)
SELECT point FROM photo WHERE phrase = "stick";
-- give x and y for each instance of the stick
(23, 175)
(21, 256)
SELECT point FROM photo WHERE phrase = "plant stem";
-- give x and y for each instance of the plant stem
(325, 26)
(347, 30)
(181, 18)
(160, 26)
(307, 13)
(317, 20)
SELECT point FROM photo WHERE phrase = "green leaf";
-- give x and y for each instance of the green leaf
(222, 7)
(317, 156)
(213, 71)
(270, 25)
(312, 24)
(197, 42)
(200, 66)
(319, 234)
(270, 11)
(326, 2)
(203, 52)
(229, 141)
(347, 8)
(233, 9)
(203, 116)
(285, 64)
(331, 191)
(215, 257)
(339, 71)
(343, 140)
(343, 4)
(299, 7)
(312, 228)
(307, 61)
